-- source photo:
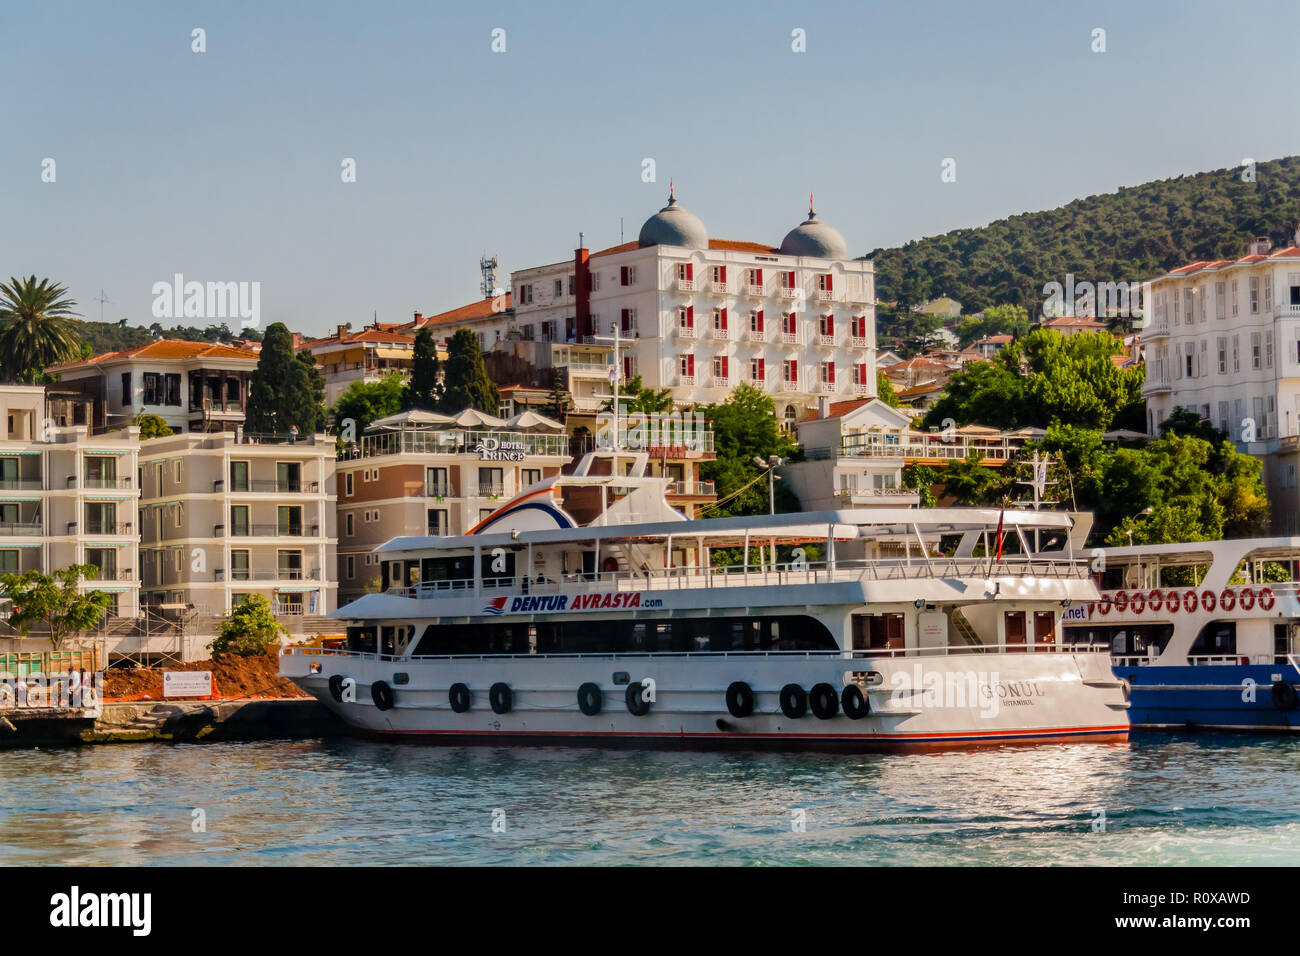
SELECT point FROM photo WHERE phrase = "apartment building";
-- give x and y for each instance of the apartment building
(227, 515)
(68, 495)
(421, 473)
(193, 386)
(368, 355)
(1223, 339)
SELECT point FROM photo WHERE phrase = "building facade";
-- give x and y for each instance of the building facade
(1223, 340)
(225, 516)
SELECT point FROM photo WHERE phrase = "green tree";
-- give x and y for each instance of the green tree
(558, 399)
(425, 390)
(970, 483)
(634, 397)
(467, 382)
(885, 390)
(1184, 421)
(152, 426)
(35, 329)
(53, 600)
(745, 428)
(248, 630)
(1010, 320)
(284, 391)
(367, 402)
(922, 479)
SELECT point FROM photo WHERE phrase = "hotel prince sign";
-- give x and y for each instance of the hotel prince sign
(494, 449)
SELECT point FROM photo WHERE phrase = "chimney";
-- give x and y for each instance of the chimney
(297, 341)
(343, 329)
(823, 406)
(1260, 245)
(418, 319)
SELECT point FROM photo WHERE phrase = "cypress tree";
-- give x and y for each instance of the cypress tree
(284, 391)
(468, 385)
(425, 391)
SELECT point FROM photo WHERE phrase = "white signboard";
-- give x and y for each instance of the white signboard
(932, 629)
(187, 683)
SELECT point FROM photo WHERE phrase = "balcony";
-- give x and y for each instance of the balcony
(20, 484)
(102, 527)
(718, 288)
(860, 342)
(111, 574)
(685, 332)
(719, 381)
(267, 574)
(1157, 386)
(98, 482)
(826, 341)
(756, 335)
(1287, 310)
(693, 489)
(269, 486)
(213, 406)
(789, 293)
(1158, 329)
(685, 285)
(489, 490)
(859, 389)
(685, 381)
(789, 338)
(923, 447)
(265, 531)
(21, 529)
(828, 388)
(754, 291)
(437, 489)
(893, 494)
(825, 295)
(723, 334)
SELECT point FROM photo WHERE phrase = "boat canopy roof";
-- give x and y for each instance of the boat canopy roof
(873, 523)
(1207, 552)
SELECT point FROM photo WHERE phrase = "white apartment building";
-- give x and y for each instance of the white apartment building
(1223, 340)
(226, 515)
(193, 386)
(68, 495)
(698, 315)
(421, 473)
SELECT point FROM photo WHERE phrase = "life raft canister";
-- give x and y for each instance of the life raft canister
(501, 698)
(1155, 600)
(1266, 599)
(855, 703)
(1208, 600)
(1228, 599)
(1247, 596)
(459, 698)
(637, 705)
(382, 695)
(590, 699)
(740, 699)
(794, 702)
(1284, 695)
(823, 700)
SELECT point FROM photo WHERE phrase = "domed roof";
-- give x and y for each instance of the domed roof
(812, 237)
(673, 226)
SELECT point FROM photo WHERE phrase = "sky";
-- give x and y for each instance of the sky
(227, 165)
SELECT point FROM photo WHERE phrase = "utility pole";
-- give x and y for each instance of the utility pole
(101, 299)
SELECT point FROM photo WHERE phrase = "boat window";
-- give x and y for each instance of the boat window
(362, 639)
(1216, 638)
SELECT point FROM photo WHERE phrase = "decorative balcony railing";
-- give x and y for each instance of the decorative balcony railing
(454, 441)
(685, 285)
(754, 291)
(825, 295)
(268, 486)
(698, 489)
(789, 338)
(756, 335)
(21, 529)
(723, 334)
(685, 332)
(789, 293)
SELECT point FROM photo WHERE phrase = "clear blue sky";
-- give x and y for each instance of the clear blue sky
(225, 165)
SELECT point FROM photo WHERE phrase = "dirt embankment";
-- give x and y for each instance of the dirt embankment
(231, 677)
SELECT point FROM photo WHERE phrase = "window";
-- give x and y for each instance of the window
(548, 331)
(1220, 293)
(239, 520)
(1178, 308)
(239, 476)
(559, 288)
(1254, 295)
(627, 275)
(530, 476)
(572, 283)
(828, 373)
(1268, 348)
(720, 370)
(126, 389)
(720, 320)
(1222, 345)
(1236, 353)
(352, 562)
(719, 275)
(859, 327)
(1256, 350)
(176, 471)
(1202, 367)
(152, 388)
(347, 524)
(628, 321)
(1187, 306)
(491, 481)
(754, 277)
(525, 294)
(9, 561)
(824, 282)
(1232, 295)
(756, 320)
(288, 565)
(685, 271)
(826, 324)
(788, 323)
(686, 317)
(787, 280)
(347, 484)
(860, 374)
(289, 519)
(1225, 421)
(1202, 295)
(757, 370)
(101, 517)
(789, 371)
(686, 365)
(1189, 360)
(1268, 293)
(436, 483)
(239, 566)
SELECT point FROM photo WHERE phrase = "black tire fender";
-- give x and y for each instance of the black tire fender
(501, 698)
(382, 695)
(740, 699)
(855, 703)
(636, 706)
(794, 701)
(336, 687)
(458, 696)
(590, 699)
(823, 701)
(1284, 695)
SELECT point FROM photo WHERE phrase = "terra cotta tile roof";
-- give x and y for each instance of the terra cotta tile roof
(164, 350)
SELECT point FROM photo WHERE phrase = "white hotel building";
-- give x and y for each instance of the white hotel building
(1224, 341)
(700, 316)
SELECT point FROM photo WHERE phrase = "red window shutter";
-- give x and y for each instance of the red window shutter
(758, 277)
(829, 277)
(762, 370)
(690, 316)
(722, 273)
(830, 372)
(724, 320)
(760, 320)
(794, 371)
(789, 280)
(690, 270)
(862, 373)
(627, 367)
(725, 373)
(690, 364)
(830, 325)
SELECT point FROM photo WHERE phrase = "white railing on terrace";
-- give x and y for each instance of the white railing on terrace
(918, 445)
(817, 572)
(451, 442)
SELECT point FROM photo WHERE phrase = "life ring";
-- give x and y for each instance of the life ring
(1266, 599)
(1155, 600)
(855, 703)
(1139, 602)
(1104, 604)
(1284, 695)
(1247, 598)
(459, 697)
(637, 705)
(1173, 602)
(1228, 599)
(740, 699)
(336, 687)
(823, 701)
(590, 699)
(501, 698)
(1189, 601)
(1208, 600)
(382, 695)
(1121, 602)
(794, 701)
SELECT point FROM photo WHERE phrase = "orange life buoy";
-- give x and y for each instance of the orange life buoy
(1155, 600)
(1247, 599)
(1121, 602)
(1228, 599)
(1139, 602)
(1173, 602)
(1189, 601)
(1207, 600)
(1266, 599)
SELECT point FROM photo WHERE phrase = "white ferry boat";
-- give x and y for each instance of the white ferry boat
(1205, 633)
(587, 610)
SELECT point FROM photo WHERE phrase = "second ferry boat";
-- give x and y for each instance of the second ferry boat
(587, 610)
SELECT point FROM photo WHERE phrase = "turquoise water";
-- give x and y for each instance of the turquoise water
(1213, 800)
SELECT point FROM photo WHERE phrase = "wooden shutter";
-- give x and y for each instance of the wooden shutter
(690, 316)
(760, 320)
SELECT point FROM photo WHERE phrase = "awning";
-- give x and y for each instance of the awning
(106, 452)
(5, 495)
(291, 589)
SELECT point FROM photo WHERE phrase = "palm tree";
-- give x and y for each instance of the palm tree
(34, 328)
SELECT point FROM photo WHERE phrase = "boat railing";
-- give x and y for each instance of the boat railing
(813, 572)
